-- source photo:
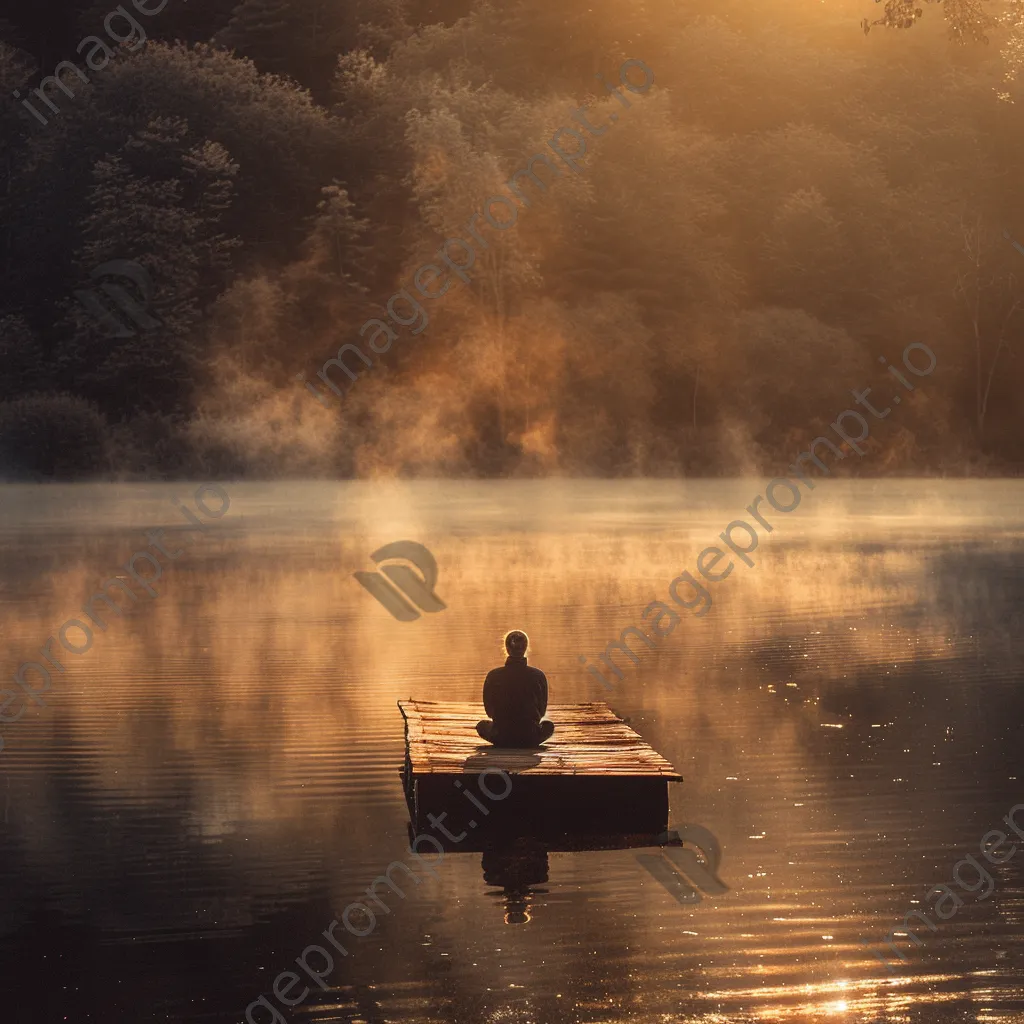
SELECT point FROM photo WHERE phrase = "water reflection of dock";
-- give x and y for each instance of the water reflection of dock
(595, 785)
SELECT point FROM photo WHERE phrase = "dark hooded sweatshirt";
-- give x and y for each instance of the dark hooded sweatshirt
(515, 696)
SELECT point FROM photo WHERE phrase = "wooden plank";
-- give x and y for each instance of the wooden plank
(589, 740)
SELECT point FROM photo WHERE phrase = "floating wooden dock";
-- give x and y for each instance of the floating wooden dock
(595, 776)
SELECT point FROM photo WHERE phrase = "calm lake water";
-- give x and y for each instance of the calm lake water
(217, 778)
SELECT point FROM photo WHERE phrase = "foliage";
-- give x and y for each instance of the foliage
(166, 201)
(52, 435)
(788, 203)
(967, 19)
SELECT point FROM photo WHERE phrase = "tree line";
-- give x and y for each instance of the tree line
(793, 200)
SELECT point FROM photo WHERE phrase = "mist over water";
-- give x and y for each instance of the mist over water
(217, 778)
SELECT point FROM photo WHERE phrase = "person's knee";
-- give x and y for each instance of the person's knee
(546, 729)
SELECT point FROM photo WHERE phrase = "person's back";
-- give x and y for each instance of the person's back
(515, 698)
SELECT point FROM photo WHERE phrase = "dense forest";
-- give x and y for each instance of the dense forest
(808, 187)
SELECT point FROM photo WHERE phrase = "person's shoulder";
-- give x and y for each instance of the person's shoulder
(536, 672)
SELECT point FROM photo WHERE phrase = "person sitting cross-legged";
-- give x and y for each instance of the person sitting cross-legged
(515, 698)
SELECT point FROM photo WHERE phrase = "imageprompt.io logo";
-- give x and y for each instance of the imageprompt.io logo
(124, 300)
(407, 594)
(678, 869)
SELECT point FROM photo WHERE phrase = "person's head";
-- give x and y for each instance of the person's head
(516, 643)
